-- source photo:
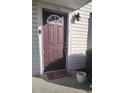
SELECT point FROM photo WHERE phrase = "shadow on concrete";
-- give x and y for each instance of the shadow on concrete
(70, 82)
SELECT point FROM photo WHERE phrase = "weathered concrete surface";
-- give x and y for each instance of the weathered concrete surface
(63, 85)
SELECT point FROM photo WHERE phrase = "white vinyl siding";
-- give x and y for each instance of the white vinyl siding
(81, 38)
(35, 42)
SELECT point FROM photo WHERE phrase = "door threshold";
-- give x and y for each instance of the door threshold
(54, 71)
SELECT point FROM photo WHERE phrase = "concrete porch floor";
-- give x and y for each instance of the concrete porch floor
(41, 84)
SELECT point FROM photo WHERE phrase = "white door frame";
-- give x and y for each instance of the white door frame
(40, 6)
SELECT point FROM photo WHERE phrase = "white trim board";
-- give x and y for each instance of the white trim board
(40, 6)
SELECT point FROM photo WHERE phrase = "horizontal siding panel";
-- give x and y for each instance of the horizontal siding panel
(77, 66)
(34, 14)
(80, 26)
(35, 71)
(85, 10)
(81, 36)
(79, 33)
(76, 36)
(79, 39)
(34, 8)
(78, 49)
(82, 23)
(80, 65)
(35, 38)
(78, 53)
(34, 21)
(77, 60)
(80, 61)
(84, 16)
(34, 25)
(84, 13)
(85, 23)
(34, 33)
(35, 64)
(35, 61)
(74, 52)
(35, 48)
(34, 17)
(34, 29)
(34, 4)
(36, 67)
(84, 46)
(78, 43)
(79, 46)
(79, 29)
(84, 20)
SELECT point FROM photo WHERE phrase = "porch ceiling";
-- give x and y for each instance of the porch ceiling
(72, 4)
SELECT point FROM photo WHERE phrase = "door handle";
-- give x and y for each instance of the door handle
(65, 49)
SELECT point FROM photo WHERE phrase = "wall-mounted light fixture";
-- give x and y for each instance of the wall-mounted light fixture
(75, 17)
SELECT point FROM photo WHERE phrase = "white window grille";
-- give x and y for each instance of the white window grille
(54, 19)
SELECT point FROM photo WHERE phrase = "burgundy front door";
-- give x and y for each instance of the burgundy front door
(54, 40)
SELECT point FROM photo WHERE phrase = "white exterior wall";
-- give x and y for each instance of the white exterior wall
(75, 36)
(81, 37)
(35, 42)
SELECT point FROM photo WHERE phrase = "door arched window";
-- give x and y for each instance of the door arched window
(54, 19)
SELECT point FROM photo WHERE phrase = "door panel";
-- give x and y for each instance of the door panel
(54, 40)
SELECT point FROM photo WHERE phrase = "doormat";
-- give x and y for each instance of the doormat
(56, 75)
